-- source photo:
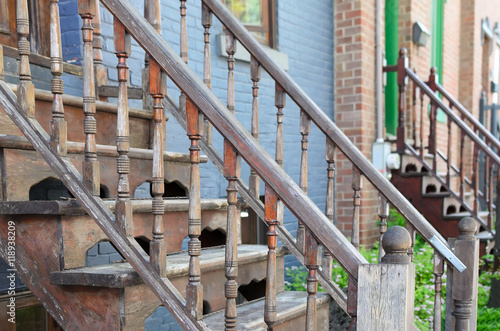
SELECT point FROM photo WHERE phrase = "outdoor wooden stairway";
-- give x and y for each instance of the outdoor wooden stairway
(430, 178)
(78, 297)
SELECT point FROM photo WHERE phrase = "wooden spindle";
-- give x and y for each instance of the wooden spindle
(402, 82)
(327, 261)
(91, 168)
(183, 48)
(411, 230)
(352, 303)
(475, 169)
(448, 153)
(232, 170)
(490, 194)
(357, 186)
(422, 124)
(462, 163)
(280, 100)
(194, 289)
(152, 14)
(230, 50)
(305, 129)
(383, 213)
(414, 112)
(101, 76)
(254, 181)
(123, 208)
(158, 246)
(206, 22)
(2, 72)
(271, 218)
(58, 126)
(433, 120)
(438, 285)
(311, 261)
(26, 89)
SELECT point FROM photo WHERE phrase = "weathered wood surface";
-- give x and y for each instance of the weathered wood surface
(112, 92)
(323, 122)
(255, 155)
(271, 212)
(357, 186)
(290, 315)
(101, 214)
(257, 205)
(37, 245)
(26, 89)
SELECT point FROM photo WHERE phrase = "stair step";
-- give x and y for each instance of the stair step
(120, 275)
(436, 195)
(291, 308)
(481, 214)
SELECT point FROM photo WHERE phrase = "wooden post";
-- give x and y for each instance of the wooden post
(91, 167)
(254, 181)
(58, 126)
(158, 246)
(206, 22)
(311, 261)
(327, 262)
(402, 82)
(464, 285)
(123, 208)
(279, 102)
(26, 89)
(194, 289)
(101, 77)
(357, 186)
(305, 129)
(271, 215)
(386, 291)
(438, 271)
(2, 74)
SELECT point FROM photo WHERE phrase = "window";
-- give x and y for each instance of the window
(258, 16)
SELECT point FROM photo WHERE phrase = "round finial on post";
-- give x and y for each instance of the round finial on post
(467, 227)
(433, 70)
(402, 52)
(396, 243)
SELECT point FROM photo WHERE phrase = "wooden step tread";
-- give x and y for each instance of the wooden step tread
(481, 214)
(485, 235)
(120, 275)
(18, 142)
(73, 207)
(290, 305)
(436, 195)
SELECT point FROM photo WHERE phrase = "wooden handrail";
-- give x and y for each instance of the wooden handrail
(463, 111)
(235, 133)
(325, 124)
(461, 124)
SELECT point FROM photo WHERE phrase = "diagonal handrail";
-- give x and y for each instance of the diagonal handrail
(325, 124)
(102, 215)
(298, 202)
(241, 140)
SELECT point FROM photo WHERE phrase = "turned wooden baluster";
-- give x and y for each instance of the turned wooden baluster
(2, 73)
(475, 169)
(438, 285)
(462, 163)
(422, 124)
(357, 186)
(91, 168)
(327, 261)
(26, 89)
(123, 208)
(194, 289)
(383, 213)
(206, 21)
(183, 48)
(490, 194)
(448, 160)
(311, 261)
(152, 13)
(232, 170)
(271, 215)
(58, 126)
(158, 246)
(101, 76)
(413, 233)
(280, 100)
(433, 120)
(352, 303)
(305, 129)
(414, 112)
(230, 50)
(254, 181)
(402, 82)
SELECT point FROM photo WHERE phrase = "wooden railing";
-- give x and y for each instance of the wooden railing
(315, 228)
(470, 131)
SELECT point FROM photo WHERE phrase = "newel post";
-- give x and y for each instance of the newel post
(386, 291)
(462, 309)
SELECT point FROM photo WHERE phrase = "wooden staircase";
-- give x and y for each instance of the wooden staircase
(52, 237)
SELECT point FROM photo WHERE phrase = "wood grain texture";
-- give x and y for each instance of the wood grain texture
(101, 214)
(26, 89)
(331, 151)
(271, 211)
(206, 22)
(255, 75)
(402, 82)
(383, 213)
(312, 260)
(305, 129)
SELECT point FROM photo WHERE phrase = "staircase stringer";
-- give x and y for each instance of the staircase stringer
(258, 207)
(127, 246)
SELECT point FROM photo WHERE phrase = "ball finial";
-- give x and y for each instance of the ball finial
(396, 242)
(467, 227)
(403, 52)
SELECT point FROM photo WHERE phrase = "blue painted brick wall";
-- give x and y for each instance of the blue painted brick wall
(71, 35)
(305, 33)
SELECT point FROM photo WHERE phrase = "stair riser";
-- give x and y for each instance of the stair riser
(80, 233)
(22, 169)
